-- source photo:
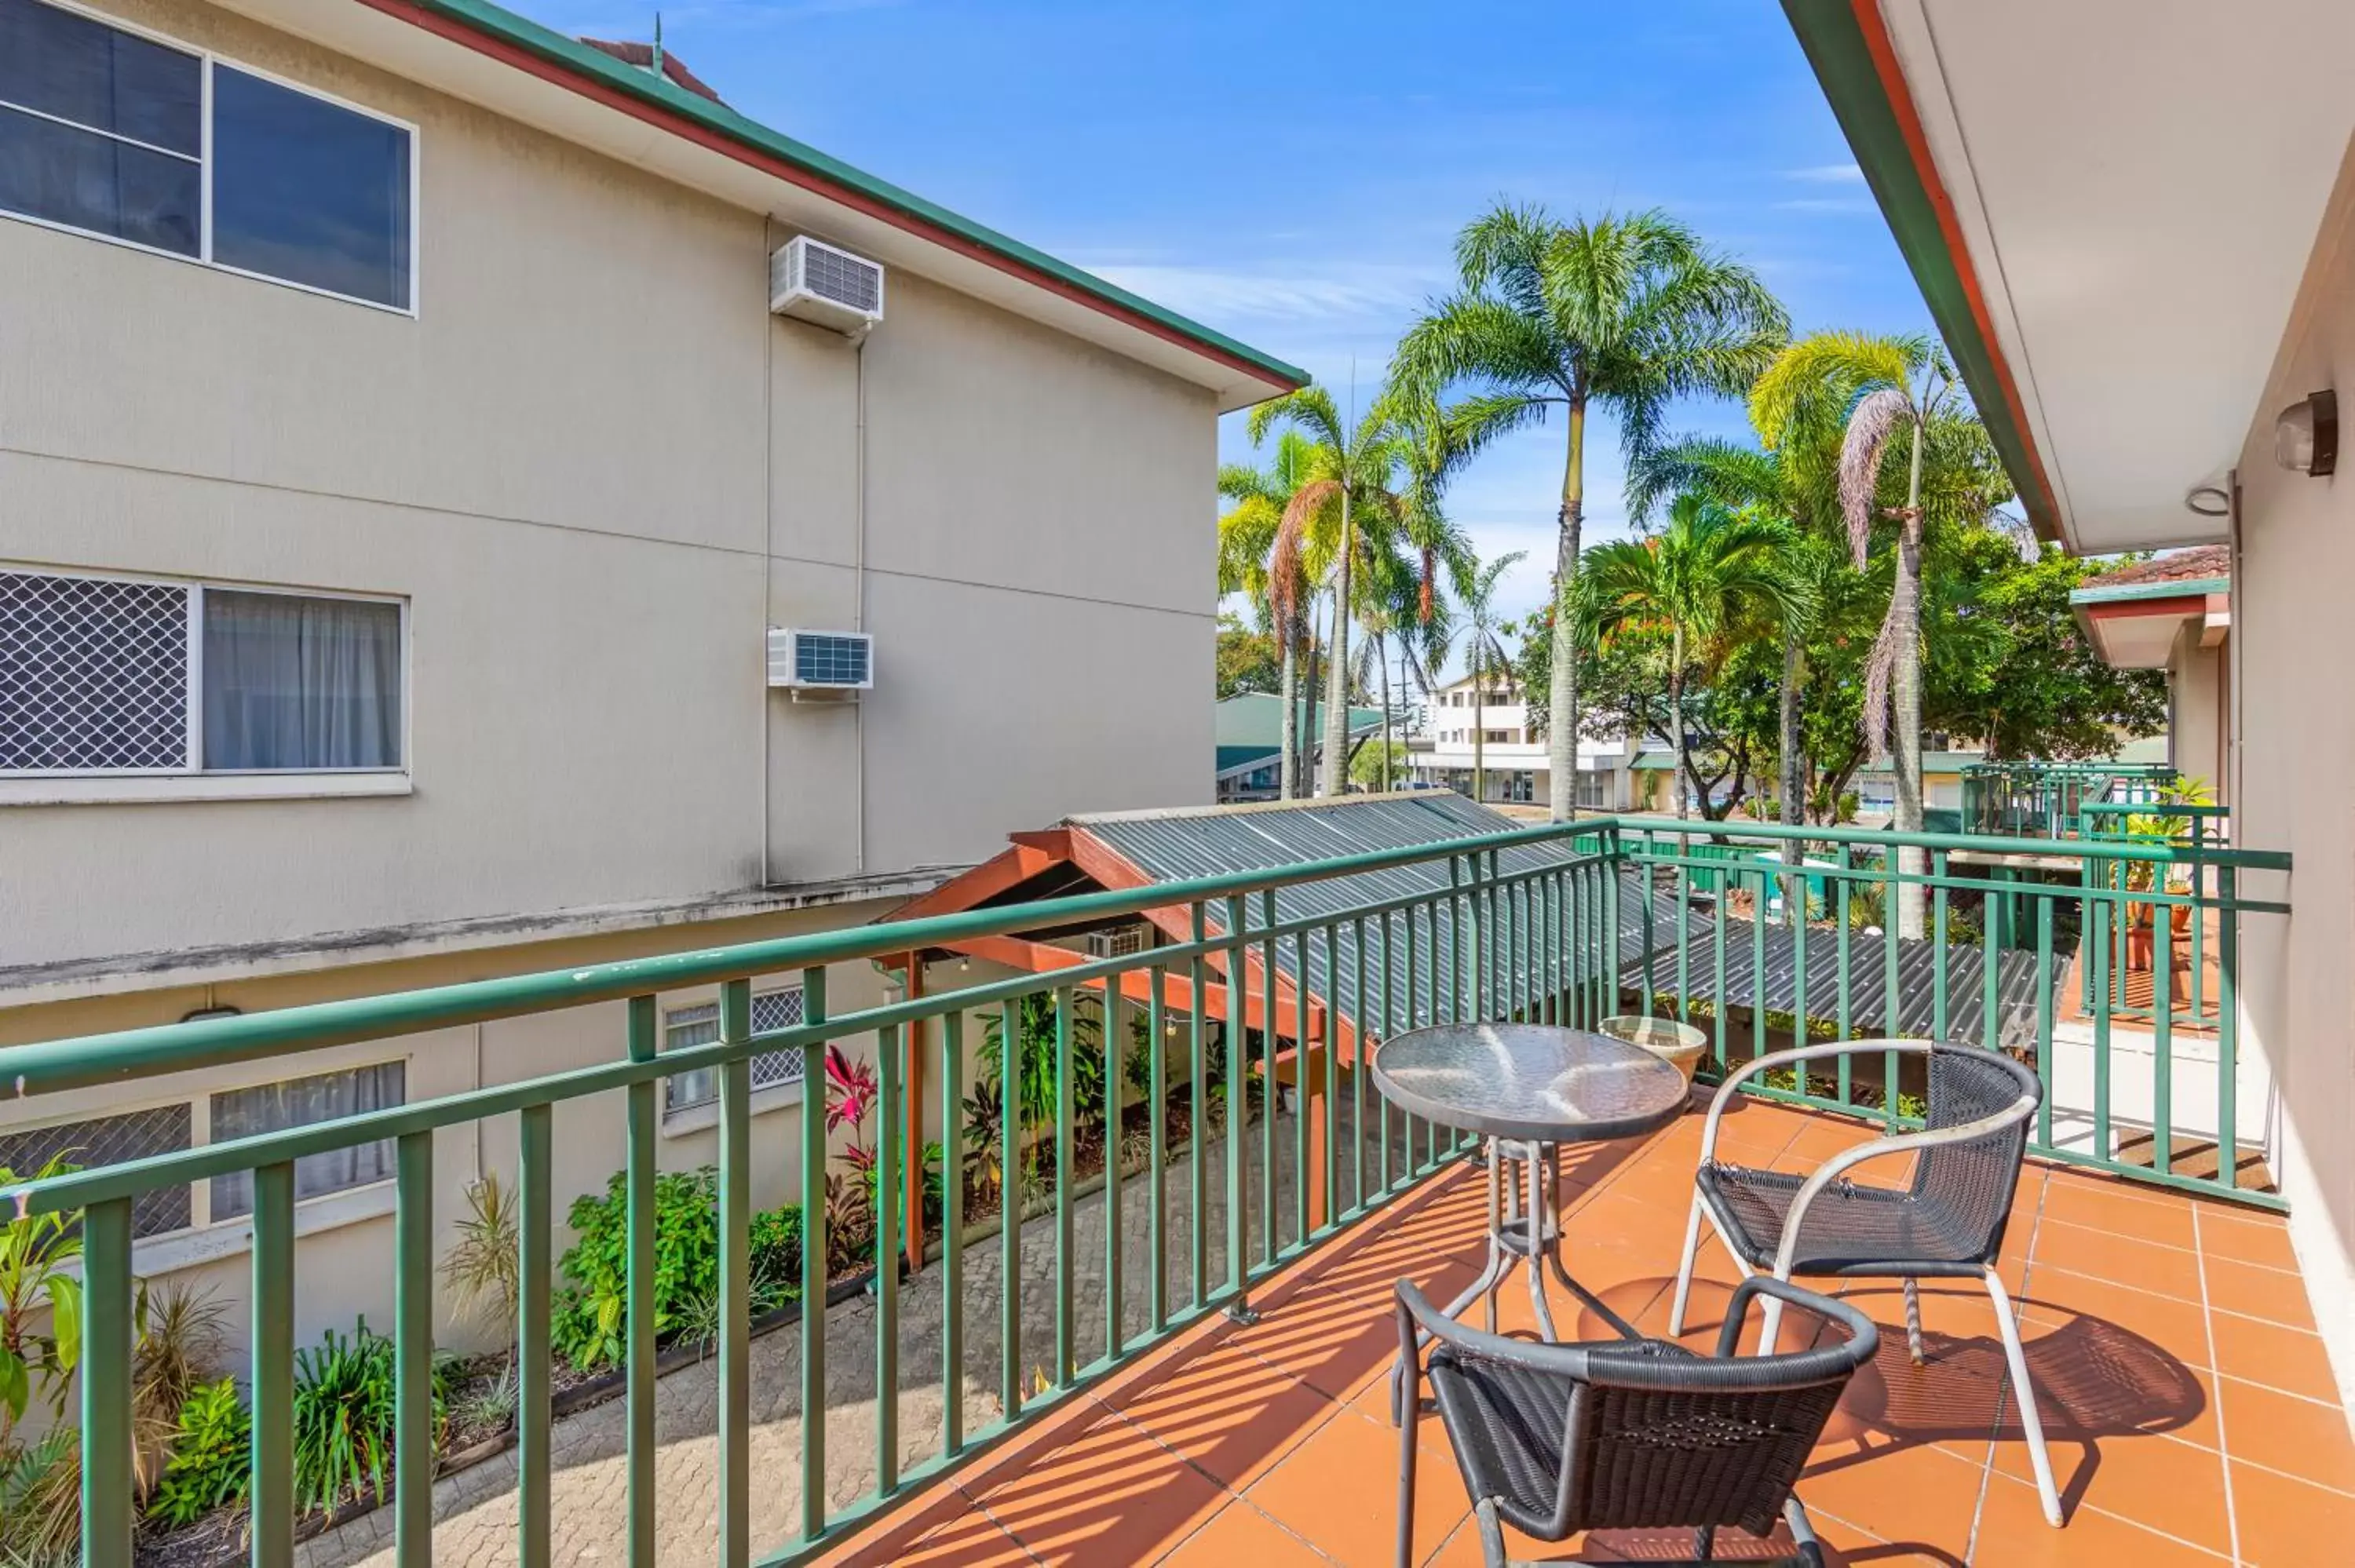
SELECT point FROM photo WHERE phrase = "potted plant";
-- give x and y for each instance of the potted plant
(1679, 1044)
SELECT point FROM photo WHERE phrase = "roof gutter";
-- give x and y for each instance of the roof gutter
(563, 61)
(1848, 45)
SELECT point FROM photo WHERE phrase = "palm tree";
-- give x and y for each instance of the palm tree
(1870, 389)
(1248, 565)
(1484, 655)
(1627, 312)
(1347, 467)
(1711, 578)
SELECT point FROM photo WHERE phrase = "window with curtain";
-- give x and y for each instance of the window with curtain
(300, 684)
(299, 1102)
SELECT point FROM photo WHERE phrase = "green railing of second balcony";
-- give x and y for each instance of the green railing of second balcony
(2044, 800)
(1565, 923)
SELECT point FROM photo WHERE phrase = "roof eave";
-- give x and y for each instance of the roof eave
(1848, 45)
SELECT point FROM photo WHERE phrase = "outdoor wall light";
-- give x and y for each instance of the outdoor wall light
(2306, 436)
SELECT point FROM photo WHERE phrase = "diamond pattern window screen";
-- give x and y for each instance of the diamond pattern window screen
(114, 1140)
(686, 1027)
(93, 674)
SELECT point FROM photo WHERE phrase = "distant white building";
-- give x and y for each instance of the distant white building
(1512, 751)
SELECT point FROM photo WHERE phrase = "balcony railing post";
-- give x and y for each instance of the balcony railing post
(735, 1402)
(1012, 1151)
(271, 1492)
(890, 1053)
(953, 1222)
(108, 1348)
(1197, 1257)
(2228, 1028)
(1157, 1134)
(1114, 1071)
(814, 1252)
(412, 1317)
(638, 1323)
(1238, 1116)
(535, 1421)
(1066, 1144)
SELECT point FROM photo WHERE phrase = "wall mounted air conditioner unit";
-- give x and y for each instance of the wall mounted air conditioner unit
(813, 281)
(809, 664)
(1120, 942)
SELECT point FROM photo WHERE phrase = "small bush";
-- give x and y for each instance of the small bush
(211, 1455)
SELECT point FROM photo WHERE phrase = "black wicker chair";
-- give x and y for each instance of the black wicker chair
(1626, 1434)
(1947, 1223)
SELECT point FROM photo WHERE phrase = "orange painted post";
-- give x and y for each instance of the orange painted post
(912, 1180)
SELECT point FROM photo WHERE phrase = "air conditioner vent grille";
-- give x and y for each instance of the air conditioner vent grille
(834, 275)
(825, 659)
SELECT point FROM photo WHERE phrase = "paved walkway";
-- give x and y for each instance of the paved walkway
(474, 1512)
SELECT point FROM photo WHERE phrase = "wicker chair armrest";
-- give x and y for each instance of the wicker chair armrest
(1840, 1164)
(1864, 1337)
(1415, 1311)
(1774, 1059)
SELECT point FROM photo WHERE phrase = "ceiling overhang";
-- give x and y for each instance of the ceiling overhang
(487, 56)
(2108, 207)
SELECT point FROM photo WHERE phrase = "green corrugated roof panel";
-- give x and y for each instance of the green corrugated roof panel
(1256, 718)
(1170, 846)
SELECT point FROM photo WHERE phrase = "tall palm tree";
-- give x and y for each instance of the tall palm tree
(1711, 578)
(1247, 565)
(1348, 466)
(1872, 390)
(1628, 312)
(1771, 482)
(1484, 655)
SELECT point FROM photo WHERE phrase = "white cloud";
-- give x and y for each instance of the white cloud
(1276, 293)
(1828, 174)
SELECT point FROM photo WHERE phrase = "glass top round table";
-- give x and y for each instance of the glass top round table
(1530, 1082)
(1528, 1089)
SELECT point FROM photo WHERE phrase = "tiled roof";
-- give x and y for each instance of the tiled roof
(2198, 564)
(643, 57)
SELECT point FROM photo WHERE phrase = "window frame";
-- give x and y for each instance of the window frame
(206, 60)
(194, 771)
(689, 1116)
(198, 1098)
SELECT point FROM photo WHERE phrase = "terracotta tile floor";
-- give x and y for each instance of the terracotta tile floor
(2190, 1410)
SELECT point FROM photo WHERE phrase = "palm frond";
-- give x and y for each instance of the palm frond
(1877, 417)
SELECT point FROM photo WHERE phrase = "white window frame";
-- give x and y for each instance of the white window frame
(194, 780)
(206, 61)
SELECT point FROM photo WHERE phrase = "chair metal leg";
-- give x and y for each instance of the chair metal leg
(1406, 1491)
(1685, 1269)
(2024, 1394)
(1492, 1535)
(1803, 1534)
(1914, 1323)
(1770, 1325)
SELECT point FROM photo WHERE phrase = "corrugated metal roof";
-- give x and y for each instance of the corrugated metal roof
(1176, 845)
(2016, 987)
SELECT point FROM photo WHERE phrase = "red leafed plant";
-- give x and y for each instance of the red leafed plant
(850, 1090)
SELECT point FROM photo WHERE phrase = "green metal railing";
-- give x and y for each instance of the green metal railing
(1560, 924)
(2143, 941)
(2045, 799)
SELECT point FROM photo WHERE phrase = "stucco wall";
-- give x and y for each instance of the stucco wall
(2297, 988)
(599, 468)
(2196, 707)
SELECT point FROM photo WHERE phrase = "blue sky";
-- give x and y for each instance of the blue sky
(1294, 175)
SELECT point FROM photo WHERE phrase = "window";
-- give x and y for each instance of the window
(105, 130)
(112, 676)
(687, 1026)
(113, 1140)
(1497, 736)
(299, 1102)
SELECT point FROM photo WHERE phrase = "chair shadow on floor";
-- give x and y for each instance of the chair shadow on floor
(2095, 1382)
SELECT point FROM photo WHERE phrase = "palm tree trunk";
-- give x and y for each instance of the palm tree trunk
(1479, 735)
(1561, 737)
(1288, 779)
(1336, 692)
(1383, 663)
(1793, 784)
(1905, 693)
(1308, 729)
(1683, 764)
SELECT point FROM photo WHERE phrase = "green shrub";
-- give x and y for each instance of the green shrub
(343, 1417)
(593, 1307)
(211, 1455)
